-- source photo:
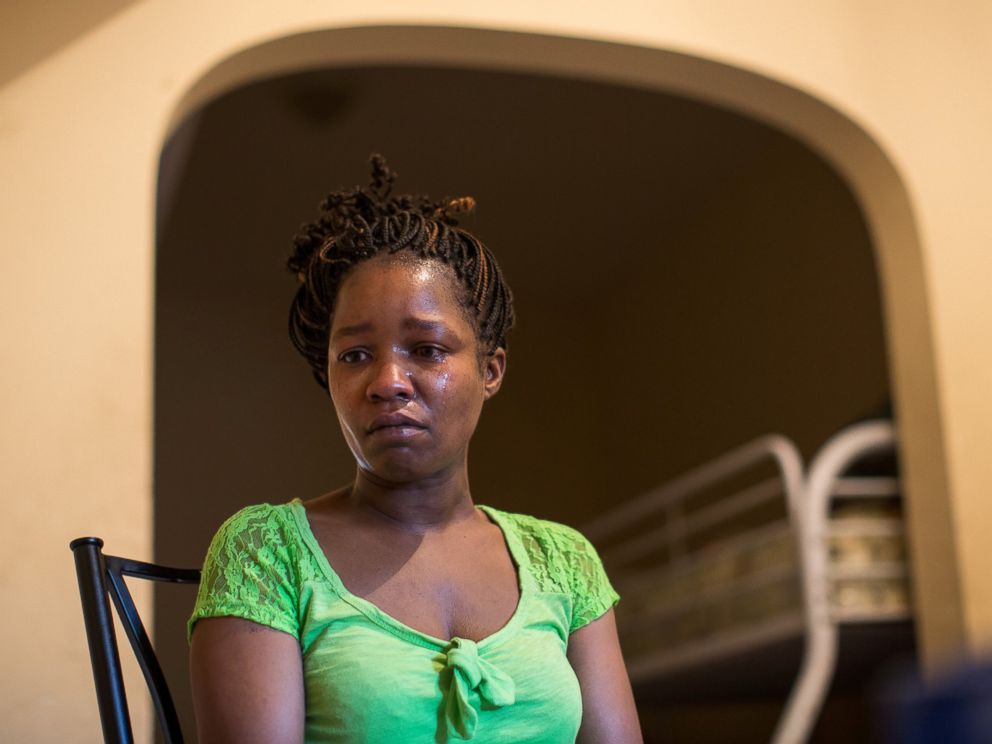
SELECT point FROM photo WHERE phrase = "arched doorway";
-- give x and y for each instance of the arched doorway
(565, 76)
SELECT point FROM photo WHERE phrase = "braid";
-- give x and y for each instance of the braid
(358, 224)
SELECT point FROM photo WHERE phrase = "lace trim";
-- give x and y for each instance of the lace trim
(252, 571)
(563, 561)
(256, 565)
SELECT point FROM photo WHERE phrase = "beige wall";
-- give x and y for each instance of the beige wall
(80, 133)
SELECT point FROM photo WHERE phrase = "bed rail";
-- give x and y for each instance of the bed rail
(649, 542)
(670, 497)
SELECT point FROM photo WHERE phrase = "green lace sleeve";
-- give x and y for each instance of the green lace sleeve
(249, 572)
(563, 561)
(592, 592)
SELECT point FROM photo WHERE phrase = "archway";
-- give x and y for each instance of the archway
(850, 151)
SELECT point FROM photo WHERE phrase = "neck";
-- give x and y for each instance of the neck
(421, 506)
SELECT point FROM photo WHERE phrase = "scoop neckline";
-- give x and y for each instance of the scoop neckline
(518, 556)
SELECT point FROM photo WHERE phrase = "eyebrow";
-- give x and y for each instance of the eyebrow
(425, 325)
(352, 330)
(415, 323)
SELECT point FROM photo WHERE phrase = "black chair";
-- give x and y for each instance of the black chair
(98, 576)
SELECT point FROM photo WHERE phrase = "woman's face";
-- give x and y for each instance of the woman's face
(404, 370)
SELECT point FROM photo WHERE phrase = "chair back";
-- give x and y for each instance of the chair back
(100, 576)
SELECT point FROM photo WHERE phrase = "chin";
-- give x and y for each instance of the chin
(399, 469)
(393, 473)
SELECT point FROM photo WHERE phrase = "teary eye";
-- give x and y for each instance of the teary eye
(429, 351)
(353, 355)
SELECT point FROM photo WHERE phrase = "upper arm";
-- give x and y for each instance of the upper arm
(608, 711)
(247, 682)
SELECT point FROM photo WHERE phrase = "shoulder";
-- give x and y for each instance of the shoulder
(555, 551)
(253, 569)
(260, 530)
(547, 536)
(563, 561)
(259, 516)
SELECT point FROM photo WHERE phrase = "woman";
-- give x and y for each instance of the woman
(394, 609)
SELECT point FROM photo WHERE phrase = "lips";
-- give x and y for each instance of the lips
(394, 421)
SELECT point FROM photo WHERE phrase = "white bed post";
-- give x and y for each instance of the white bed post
(812, 515)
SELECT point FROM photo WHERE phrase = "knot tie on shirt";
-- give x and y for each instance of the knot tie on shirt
(465, 671)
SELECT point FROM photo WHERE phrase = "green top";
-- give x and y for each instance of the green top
(370, 678)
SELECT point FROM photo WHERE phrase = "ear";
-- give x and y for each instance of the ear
(492, 373)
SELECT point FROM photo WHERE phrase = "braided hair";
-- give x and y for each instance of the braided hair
(368, 221)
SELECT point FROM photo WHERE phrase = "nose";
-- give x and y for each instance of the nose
(390, 380)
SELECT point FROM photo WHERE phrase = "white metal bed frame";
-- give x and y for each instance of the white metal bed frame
(808, 495)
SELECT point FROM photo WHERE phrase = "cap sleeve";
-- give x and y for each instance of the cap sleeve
(249, 572)
(592, 592)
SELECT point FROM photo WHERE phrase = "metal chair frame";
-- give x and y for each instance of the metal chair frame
(100, 575)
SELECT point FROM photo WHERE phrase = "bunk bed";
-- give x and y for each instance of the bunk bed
(752, 553)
